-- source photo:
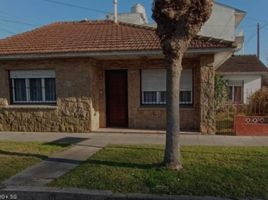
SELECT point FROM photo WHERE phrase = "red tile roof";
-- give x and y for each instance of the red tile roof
(91, 36)
(244, 64)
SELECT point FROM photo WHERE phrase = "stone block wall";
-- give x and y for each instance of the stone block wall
(207, 79)
(70, 115)
(81, 103)
(148, 117)
(73, 111)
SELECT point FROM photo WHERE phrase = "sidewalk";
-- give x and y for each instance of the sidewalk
(142, 138)
(46, 193)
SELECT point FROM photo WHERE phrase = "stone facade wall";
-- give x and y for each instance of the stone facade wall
(148, 117)
(81, 103)
(74, 108)
(207, 79)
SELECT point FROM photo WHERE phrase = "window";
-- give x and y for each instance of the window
(235, 94)
(33, 86)
(154, 87)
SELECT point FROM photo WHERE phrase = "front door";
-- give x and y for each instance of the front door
(116, 98)
(238, 94)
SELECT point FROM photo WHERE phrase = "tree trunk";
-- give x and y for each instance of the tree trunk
(172, 157)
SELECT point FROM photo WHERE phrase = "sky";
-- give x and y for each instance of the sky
(17, 16)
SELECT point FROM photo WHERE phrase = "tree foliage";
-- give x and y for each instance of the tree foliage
(221, 92)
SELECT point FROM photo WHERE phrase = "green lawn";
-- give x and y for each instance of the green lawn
(234, 172)
(16, 156)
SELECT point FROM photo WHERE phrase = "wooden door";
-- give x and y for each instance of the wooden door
(116, 98)
(238, 94)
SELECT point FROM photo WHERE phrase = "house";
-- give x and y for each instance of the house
(80, 76)
(245, 76)
(222, 24)
(136, 16)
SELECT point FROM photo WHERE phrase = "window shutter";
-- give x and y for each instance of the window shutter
(32, 74)
(154, 80)
(187, 80)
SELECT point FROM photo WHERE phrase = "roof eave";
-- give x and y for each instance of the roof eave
(148, 53)
(243, 73)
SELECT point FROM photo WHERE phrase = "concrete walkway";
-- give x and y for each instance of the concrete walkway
(57, 165)
(139, 138)
(85, 145)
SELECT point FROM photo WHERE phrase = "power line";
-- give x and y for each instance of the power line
(253, 35)
(7, 31)
(76, 6)
(18, 22)
(264, 25)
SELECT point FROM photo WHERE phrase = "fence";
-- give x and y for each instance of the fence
(225, 118)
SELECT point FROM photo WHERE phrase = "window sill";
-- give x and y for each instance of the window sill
(162, 107)
(31, 107)
(152, 107)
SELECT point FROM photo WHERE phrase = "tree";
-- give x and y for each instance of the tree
(178, 22)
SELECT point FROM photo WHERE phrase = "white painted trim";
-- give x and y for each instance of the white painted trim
(43, 90)
(27, 91)
(104, 55)
(242, 73)
(27, 75)
(156, 78)
(13, 90)
(32, 74)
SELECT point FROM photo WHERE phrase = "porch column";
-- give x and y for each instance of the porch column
(207, 111)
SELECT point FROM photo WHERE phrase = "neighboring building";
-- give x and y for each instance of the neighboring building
(265, 80)
(223, 24)
(244, 75)
(80, 76)
(136, 16)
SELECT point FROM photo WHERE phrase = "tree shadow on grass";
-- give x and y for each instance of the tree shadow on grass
(8, 153)
(125, 165)
(140, 147)
(66, 141)
(206, 153)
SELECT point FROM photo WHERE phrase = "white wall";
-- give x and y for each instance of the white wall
(132, 18)
(252, 83)
(221, 24)
(221, 57)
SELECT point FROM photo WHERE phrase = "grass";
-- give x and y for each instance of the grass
(233, 172)
(16, 156)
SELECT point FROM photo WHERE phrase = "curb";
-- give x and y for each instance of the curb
(47, 193)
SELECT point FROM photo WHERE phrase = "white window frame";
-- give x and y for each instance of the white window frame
(187, 102)
(234, 84)
(158, 99)
(31, 74)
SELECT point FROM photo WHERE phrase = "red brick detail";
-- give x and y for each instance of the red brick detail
(251, 126)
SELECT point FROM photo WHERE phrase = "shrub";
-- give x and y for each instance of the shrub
(221, 93)
(258, 103)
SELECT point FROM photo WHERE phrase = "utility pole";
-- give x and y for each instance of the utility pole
(116, 11)
(258, 40)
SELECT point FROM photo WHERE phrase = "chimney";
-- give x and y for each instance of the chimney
(116, 11)
(138, 8)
